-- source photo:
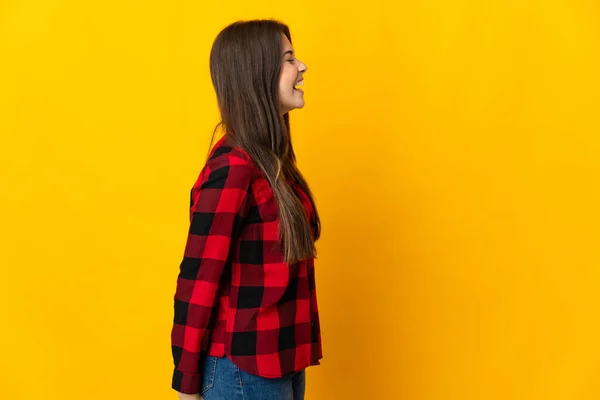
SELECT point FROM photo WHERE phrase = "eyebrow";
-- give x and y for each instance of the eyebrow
(289, 51)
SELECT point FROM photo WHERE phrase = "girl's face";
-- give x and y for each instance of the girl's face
(290, 96)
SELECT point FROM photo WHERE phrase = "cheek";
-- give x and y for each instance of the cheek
(288, 76)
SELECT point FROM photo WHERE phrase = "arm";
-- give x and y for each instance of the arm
(183, 396)
(217, 213)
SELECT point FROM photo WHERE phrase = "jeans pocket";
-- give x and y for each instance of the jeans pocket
(208, 377)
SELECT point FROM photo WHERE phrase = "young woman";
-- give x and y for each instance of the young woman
(246, 322)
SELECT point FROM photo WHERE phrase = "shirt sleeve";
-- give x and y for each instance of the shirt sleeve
(219, 205)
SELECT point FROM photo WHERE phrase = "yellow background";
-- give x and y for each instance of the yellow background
(452, 146)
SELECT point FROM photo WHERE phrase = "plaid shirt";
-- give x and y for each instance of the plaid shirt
(235, 295)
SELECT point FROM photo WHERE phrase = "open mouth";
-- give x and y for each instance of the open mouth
(298, 84)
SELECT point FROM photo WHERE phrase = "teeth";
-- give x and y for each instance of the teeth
(300, 83)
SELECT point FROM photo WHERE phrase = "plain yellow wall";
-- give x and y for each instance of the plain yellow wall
(452, 146)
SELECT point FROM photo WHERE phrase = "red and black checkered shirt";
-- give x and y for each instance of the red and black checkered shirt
(235, 295)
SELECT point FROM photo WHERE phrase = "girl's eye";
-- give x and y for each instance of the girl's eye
(291, 61)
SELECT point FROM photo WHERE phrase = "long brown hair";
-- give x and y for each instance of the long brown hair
(245, 66)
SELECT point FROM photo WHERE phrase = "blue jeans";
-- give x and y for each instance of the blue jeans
(223, 380)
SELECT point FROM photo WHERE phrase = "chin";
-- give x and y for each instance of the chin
(295, 106)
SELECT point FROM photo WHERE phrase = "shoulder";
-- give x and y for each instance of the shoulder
(229, 166)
